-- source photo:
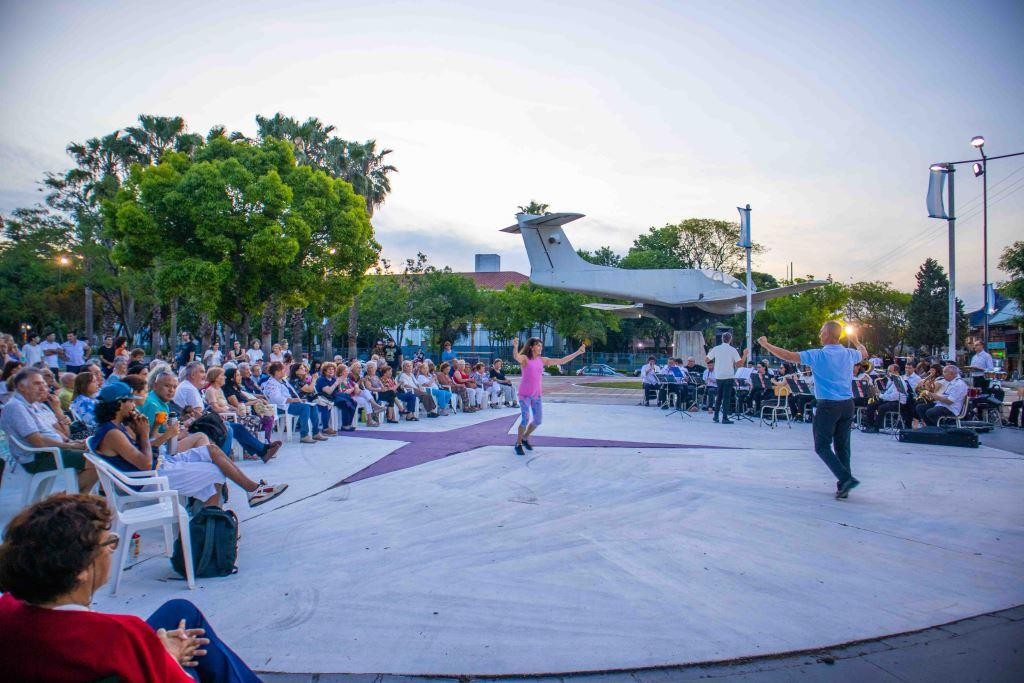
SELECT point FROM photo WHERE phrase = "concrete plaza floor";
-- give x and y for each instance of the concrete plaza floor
(727, 545)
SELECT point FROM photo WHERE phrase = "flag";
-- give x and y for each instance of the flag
(744, 227)
(936, 185)
(990, 296)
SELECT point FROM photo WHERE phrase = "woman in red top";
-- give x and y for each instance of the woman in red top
(56, 554)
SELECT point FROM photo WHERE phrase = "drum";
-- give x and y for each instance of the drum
(973, 392)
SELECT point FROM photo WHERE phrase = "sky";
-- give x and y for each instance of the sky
(824, 117)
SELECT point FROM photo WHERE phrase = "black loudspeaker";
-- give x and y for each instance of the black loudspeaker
(940, 436)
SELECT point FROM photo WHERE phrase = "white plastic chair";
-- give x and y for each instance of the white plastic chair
(135, 510)
(42, 483)
(773, 407)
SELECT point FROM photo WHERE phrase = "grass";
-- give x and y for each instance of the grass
(615, 384)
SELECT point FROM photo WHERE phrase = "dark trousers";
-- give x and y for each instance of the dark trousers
(345, 404)
(931, 412)
(220, 663)
(726, 391)
(875, 414)
(75, 368)
(1015, 409)
(832, 422)
(249, 443)
(801, 404)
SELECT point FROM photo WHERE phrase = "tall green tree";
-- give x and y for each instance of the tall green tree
(880, 312)
(444, 303)
(1012, 261)
(928, 311)
(691, 243)
(535, 208)
(604, 256)
(794, 321)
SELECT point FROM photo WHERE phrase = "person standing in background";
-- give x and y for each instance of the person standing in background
(726, 360)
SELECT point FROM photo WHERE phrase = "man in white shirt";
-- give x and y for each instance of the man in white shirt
(255, 353)
(75, 353)
(981, 360)
(51, 352)
(890, 401)
(32, 352)
(187, 395)
(726, 360)
(949, 402)
(648, 380)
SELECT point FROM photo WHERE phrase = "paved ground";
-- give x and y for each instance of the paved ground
(698, 543)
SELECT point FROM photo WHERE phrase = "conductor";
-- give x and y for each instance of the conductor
(832, 365)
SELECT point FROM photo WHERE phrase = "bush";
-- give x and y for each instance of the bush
(511, 368)
(553, 370)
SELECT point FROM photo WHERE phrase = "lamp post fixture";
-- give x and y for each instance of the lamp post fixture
(62, 263)
(978, 142)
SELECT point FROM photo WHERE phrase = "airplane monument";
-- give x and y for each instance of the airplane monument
(687, 299)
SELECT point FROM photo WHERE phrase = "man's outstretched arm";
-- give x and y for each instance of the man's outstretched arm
(778, 352)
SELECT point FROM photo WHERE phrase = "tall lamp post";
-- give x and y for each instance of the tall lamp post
(978, 142)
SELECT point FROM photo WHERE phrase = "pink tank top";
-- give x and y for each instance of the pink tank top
(532, 370)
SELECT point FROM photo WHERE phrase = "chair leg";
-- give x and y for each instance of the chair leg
(186, 548)
(169, 538)
(119, 557)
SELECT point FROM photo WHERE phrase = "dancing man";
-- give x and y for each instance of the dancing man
(533, 365)
(833, 388)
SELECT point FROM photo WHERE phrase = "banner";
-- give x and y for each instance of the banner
(936, 187)
(744, 227)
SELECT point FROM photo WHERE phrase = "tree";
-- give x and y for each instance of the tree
(384, 307)
(880, 313)
(1012, 261)
(794, 321)
(443, 303)
(602, 257)
(535, 208)
(691, 243)
(928, 311)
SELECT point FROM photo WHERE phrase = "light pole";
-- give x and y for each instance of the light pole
(978, 142)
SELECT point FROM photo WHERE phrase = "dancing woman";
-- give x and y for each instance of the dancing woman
(533, 365)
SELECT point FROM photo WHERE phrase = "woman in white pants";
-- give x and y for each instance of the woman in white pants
(362, 397)
(474, 392)
(491, 388)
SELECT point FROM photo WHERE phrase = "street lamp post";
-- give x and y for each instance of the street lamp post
(978, 142)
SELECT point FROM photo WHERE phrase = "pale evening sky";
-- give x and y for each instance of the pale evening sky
(823, 116)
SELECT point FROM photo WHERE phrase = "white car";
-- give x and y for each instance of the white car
(599, 370)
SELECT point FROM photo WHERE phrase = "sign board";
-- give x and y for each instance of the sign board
(996, 345)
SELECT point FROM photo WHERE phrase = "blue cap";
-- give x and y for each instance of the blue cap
(115, 391)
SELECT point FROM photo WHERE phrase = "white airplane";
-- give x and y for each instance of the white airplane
(684, 298)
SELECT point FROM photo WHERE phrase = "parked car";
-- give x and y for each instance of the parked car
(599, 370)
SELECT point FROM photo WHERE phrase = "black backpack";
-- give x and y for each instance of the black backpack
(214, 534)
(212, 425)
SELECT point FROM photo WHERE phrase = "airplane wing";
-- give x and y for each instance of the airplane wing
(762, 296)
(547, 220)
(621, 310)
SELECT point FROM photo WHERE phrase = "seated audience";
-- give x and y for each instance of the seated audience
(408, 384)
(444, 381)
(426, 380)
(122, 439)
(83, 401)
(67, 390)
(255, 407)
(474, 394)
(364, 399)
(484, 382)
(330, 389)
(279, 393)
(51, 632)
(505, 388)
(27, 417)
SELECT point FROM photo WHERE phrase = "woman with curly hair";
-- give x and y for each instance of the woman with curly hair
(56, 554)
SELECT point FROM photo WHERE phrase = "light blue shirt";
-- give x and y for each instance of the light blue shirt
(833, 371)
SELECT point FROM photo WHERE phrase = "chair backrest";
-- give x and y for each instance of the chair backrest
(117, 487)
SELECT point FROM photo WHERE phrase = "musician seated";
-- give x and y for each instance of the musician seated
(891, 399)
(648, 380)
(948, 401)
(668, 392)
(760, 386)
(1016, 407)
(801, 398)
(711, 386)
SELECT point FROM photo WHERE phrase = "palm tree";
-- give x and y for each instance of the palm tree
(535, 208)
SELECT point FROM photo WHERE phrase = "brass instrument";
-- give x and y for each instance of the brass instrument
(927, 384)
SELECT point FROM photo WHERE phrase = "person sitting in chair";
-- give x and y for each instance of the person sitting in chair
(51, 632)
(892, 398)
(648, 380)
(948, 402)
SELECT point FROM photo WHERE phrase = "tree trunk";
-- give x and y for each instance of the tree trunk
(267, 325)
(155, 323)
(298, 314)
(129, 320)
(353, 328)
(243, 334)
(205, 332)
(89, 318)
(282, 325)
(109, 319)
(328, 350)
(173, 327)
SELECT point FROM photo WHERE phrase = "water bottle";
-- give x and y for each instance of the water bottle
(136, 545)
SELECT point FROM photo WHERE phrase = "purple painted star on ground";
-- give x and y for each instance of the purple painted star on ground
(423, 447)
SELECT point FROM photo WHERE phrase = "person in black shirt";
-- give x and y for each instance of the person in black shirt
(187, 350)
(508, 392)
(393, 356)
(107, 355)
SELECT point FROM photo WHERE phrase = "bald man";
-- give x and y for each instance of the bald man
(833, 369)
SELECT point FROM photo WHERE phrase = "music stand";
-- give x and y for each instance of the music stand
(670, 379)
(736, 413)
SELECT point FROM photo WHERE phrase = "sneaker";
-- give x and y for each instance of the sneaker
(350, 428)
(265, 492)
(307, 439)
(726, 421)
(433, 415)
(271, 451)
(844, 490)
(519, 450)
(527, 445)
(715, 418)
(328, 432)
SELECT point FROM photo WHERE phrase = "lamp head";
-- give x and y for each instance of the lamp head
(848, 329)
(978, 141)
(979, 170)
(938, 167)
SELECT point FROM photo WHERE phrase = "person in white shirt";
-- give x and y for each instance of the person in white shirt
(982, 359)
(947, 403)
(188, 395)
(213, 356)
(279, 393)
(726, 360)
(32, 352)
(255, 353)
(647, 378)
(75, 353)
(890, 401)
(51, 351)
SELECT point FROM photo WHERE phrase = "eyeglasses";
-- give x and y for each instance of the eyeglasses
(112, 541)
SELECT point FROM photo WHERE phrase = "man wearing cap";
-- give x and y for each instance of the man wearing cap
(23, 417)
(832, 365)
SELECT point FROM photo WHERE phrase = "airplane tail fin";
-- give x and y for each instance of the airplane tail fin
(547, 246)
